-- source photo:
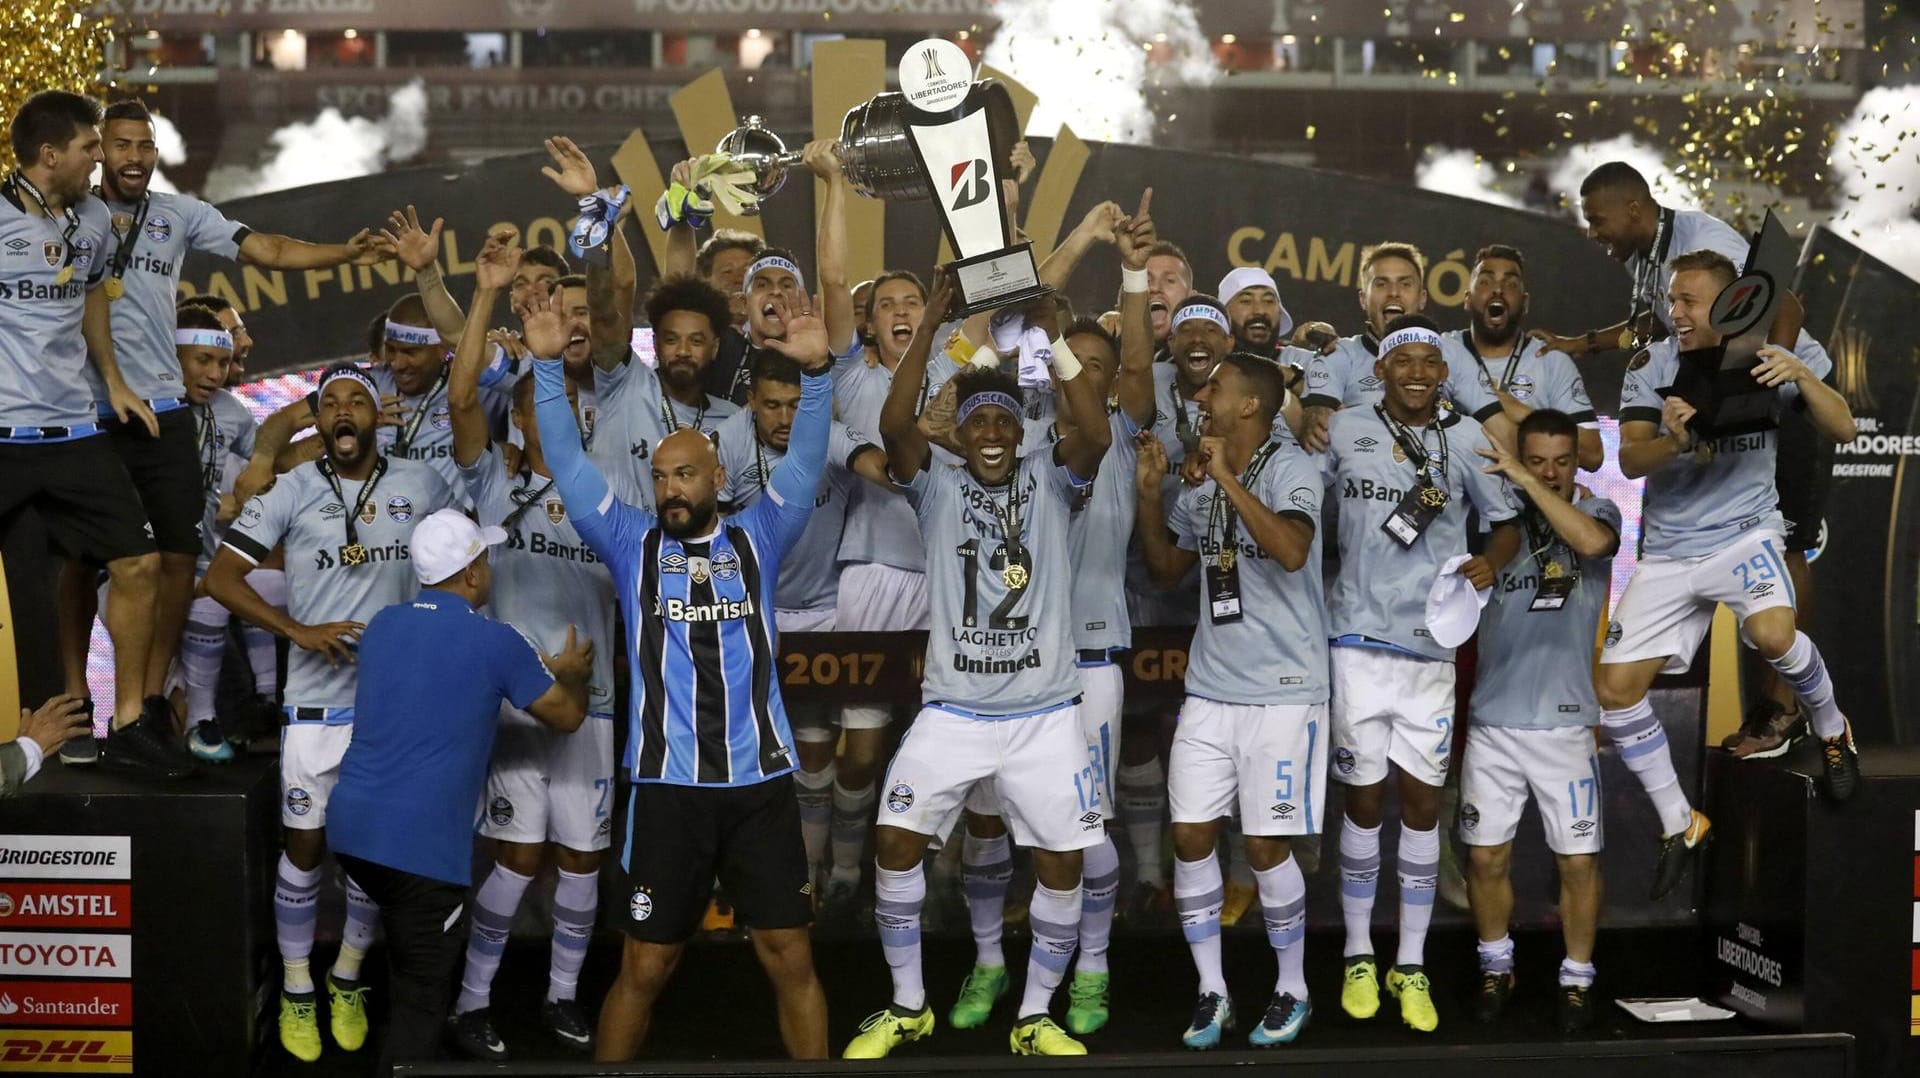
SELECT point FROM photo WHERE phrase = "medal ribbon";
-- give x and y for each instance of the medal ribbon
(123, 257)
(1646, 281)
(1414, 446)
(366, 494)
(1221, 518)
(405, 440)
(19, 181)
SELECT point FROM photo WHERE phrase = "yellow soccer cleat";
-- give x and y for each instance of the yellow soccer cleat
(1360, 995)
(1409, 985)
(886, 1030)
(1238, 900)
(300, 1026)
(1041, 1036)
(347, 1012)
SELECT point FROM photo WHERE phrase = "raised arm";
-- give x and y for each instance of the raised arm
(418, 249)
(830, 248)
(1166, 562)
(1286, 537)
(597, 514)
(493, 271)
(1589, 538)
(286, 253)
(1098, 226)
(1825, 406)
(798, 476)
(900, 433)
(1134, 383)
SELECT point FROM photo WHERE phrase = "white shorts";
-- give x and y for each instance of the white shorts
(1557, 764)
(1102, 692)
(310, 755)
(1390, 706)
(1037, 767)
(546, 786)
(1668, 605)
(877, 598)
(1266, 760)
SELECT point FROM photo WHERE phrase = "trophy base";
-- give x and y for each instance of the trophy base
(997, 278)
(1725, 398)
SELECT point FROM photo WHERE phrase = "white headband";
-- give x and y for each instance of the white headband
(1203, 310)
(203, 338)
(355, 374)
(1409, 335)
(401, 333)
(768, 262)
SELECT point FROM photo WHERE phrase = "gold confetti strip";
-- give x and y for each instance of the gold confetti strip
(48, 45)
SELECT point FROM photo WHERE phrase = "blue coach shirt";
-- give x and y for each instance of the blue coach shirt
(432, 675)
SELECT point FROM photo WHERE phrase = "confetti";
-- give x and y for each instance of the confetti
(49, 45)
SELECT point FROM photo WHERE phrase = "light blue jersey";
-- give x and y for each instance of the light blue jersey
(810, 579)
(1380, 592)
(1102, 523)
(223, 431)
(1534, 374)
(1344, 378)
(1536, 665)
(1277, 652)
(149, 243)
(425, 433)
(1693, 508)
(634, 411)
(1691, 231)
(43, 358)
(996, 651)
(880, 527)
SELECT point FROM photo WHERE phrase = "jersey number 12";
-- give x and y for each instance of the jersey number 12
(1000, 619)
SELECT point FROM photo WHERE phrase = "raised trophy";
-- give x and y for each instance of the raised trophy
(944, 137)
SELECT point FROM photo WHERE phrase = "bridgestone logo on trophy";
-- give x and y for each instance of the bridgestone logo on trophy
(943, 138)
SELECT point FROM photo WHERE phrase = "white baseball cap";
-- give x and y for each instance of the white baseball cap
(1453, 606)
(447, 542)
(1245, 277)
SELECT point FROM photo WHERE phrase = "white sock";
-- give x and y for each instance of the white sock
(1054, 917)
(363, 918)
(1198, 893)
(1643, 748)
(576, 904)
(1141, 790)
(1359, 881)
(1576, 973)
(814, 790)
(1283, 902)
(493, 908)
(1807, 673)
(898, 898)
(201, 648)
(852, 813)
(1419, 880)
(1099, 888)
(1496, 956)
(987, 869)
(296, 894)
(263, 653)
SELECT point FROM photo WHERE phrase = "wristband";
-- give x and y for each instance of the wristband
(1133, 281)
(1064, 362)
(959, 349)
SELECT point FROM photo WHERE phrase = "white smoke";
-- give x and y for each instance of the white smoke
(1087, 61)
(1876, 161)
(331, 147)
(1669, 187)
(1462, 173)
(173, 152)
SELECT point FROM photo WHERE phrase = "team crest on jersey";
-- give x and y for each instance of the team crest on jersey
(556, 510)
(400, 509)
(52, 250)
(159, 229)
(1469, 817)
(1522, 388)
(900, 797)
(673, 562)
(122, 222)
(500, 811)
(82, 253)
(726, 564)
(1613, 633)
(442, 418)
(299, 802)
(1399, 454)
(640, 907)
(1343, 759)
(700, 569)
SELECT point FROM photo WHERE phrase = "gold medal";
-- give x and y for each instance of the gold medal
(1626, 338)
(114, 288)
(1433, 497)
(1014, 576)
(1554, 570)
(353, 554)
(1226, 559)
(65, 275)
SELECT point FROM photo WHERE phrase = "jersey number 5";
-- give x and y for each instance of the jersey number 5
(1000, 619)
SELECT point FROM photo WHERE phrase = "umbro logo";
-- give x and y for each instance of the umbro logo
(1090, 820)
(1365, 443)
(1283, 811)
(1583, 826)
(1760, 590)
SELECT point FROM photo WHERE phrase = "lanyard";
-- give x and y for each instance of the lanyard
(521, 509)
(402, 443)
(1414, 446)
(1010, 523)
(123, 257)
(759, 460)
(366, 495)
(1513, 360)
(1554, 557)
(1182, 426)
(19, 181)
(206, 431)
(1646, 280)
(1222, 521)
(671, 421)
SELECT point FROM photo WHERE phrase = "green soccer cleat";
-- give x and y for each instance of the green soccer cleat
(886, 1030)
(978, 993)
(1087, 998)
(347, 1012)
(300, 1026)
